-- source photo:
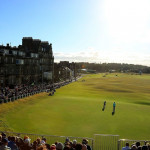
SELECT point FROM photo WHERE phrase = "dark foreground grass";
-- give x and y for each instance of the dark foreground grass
(76, 109)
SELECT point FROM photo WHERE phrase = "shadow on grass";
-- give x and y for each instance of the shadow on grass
(113, 90)
(143, 103)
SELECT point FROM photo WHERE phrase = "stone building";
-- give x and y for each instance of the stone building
(31, 62)
(64, 71)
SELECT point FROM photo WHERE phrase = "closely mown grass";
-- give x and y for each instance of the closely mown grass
(76, 109)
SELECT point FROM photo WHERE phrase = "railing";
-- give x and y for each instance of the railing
(29, 94)
(99, 142)
(51, 139)
(122, 142)
(105, 142)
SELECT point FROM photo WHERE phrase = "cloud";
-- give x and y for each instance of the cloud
(117, 55)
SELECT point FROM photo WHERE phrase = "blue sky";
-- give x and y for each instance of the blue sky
(81, 30)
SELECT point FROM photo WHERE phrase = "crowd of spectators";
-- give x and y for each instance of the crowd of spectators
(22, 90)
(136, 146)
(17, 143)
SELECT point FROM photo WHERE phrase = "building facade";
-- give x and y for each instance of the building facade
(31, 62)
(64, 71)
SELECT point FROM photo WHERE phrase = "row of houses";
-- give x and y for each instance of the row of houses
(32, 62)
(65, 71)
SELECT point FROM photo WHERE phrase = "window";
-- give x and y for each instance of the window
(23, 54)
(32, 54)
(20, 61)
(17, 61)
(14, 52)
(20, 53)
(36, 55)
(6, 51)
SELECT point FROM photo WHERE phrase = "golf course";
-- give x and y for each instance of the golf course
(76, 109)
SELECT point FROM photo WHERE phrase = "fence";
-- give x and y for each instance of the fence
(105, 142)
(51, 139)
(122, 142)
(100, 141)
(29, 94)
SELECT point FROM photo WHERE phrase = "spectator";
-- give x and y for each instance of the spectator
(56, 142)
(4, 145)
(12, 143)
(53, 147)
(26, 145)
(133, 147)
(0, 140)
(85, 141)
(34, 145)
(9, 138)
(66, 141)
(47, 146)
(17, 143)
(139, 148)
(41, 147)
(59, 146)
(137, 144)
(38, 141)
(43, 141)
(144, 147)
(74, 143)
(67, 147)
(84, 147)
(27, 140)
(78, 146)
(3, 135)
(126, 147)
(148, 145)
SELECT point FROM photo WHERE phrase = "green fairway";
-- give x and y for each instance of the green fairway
(76, 109)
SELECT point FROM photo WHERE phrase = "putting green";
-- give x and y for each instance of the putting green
(76, 109)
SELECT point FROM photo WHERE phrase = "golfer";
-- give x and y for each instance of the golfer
(114, 106)
(104, 106)
(104, 103)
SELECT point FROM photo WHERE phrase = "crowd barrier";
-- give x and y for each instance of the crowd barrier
(51, 139)
(99, 142)
(105, 142)
(32, 93)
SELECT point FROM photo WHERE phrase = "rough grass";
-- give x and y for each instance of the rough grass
(76, 109)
